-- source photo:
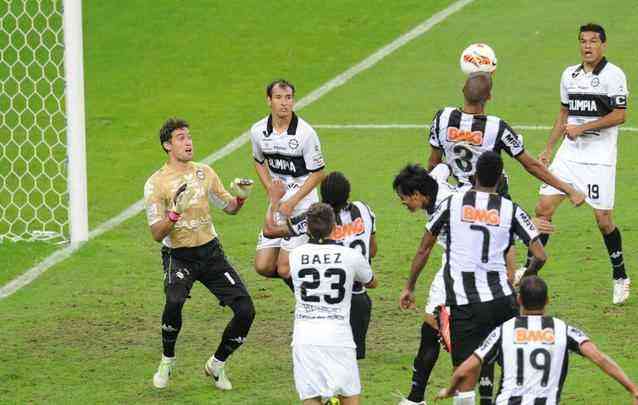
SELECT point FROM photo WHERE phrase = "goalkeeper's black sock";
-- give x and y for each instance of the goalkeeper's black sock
(544, 238)
(171, 325)
(424, 362)
(613, 242)
(237, 329)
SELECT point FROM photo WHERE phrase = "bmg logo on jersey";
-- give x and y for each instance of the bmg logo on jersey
(524, 336)
(356, 227)
(473, 214)
(459, 135)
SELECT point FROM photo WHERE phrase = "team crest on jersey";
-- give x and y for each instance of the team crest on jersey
(595, 82)
(293, 144)
(473, 214)
(459, 135)
(524, 336)
(355, 227)
(200, 174)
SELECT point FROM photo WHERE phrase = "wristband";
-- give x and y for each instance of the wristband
(173, 216)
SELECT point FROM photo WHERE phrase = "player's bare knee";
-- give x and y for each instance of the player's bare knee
(605, 222)
(544, 209)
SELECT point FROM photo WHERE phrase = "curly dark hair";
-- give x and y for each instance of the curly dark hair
(335, 190)
(413, 178)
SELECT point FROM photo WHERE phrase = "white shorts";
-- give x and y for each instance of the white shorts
(288, 243)
(598, 182)
(436, 295)
(325, 371)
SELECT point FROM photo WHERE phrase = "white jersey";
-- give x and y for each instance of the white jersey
(533, 352)
(290, 156)
(478, 228)
(441, 173)
(355, 225)
(590, 96)
(322, 276)
(463, 137)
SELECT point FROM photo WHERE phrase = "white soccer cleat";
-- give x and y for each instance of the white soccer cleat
(621, 290)
(518, 276)
(218, 374)
(164, 372)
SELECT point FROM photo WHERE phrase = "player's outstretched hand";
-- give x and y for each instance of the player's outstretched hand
(241, 187)
(543, 225)
(577, 198)
(276, 191)
(183, 198)
(407, 301)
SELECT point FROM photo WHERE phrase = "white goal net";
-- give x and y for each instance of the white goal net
(34, 157)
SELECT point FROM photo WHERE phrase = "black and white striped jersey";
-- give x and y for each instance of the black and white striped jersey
(356, 223)
(290, 156)
(589, 96)
(478, 229)
(462, 138)
(533, 354)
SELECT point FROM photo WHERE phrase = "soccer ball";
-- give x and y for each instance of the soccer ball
(478, 58)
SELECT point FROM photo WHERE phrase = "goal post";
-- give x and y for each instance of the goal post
(42, 129)
(76, 145)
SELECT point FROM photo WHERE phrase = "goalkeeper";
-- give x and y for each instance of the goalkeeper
(177, 205)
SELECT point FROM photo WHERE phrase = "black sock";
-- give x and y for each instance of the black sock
(172, 316)
(237, 329)
(424, 362)
(614, 248)
(486, 383)
(544, 238)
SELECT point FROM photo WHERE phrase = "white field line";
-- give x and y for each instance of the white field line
(236, 143)
(426, 126)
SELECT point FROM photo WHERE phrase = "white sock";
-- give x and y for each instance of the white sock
(167, 359)
(465, 398)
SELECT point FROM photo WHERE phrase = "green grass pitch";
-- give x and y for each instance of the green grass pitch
(88, 330)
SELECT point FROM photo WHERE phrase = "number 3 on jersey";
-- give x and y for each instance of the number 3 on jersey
(336, 276)
(463, 159)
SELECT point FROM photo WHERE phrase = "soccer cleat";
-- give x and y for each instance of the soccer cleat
(621, 290)
(164, 372)
(333, 401)
(518, 276)
(217, 372)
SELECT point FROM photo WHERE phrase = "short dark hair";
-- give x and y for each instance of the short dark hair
(478, 87)
(335, 190)
(489, 168)
(533, 293)
(166, 131)
(413, 178)
(279, 83)
(321, 219)
(591, 27)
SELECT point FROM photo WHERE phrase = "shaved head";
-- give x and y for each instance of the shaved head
(478, 88)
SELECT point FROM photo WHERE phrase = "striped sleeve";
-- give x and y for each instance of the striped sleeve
(575, 338)
(434, 131)
(440, 217)
(491, 346)
(523, 226)
(298, 225)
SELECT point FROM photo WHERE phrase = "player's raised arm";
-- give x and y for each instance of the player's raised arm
(538, 170)
(609, 366)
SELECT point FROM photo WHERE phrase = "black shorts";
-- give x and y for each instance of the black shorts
(206, 264)
(470, 324)
(360, 310)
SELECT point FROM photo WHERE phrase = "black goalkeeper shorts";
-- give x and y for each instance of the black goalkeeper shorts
(208, 265)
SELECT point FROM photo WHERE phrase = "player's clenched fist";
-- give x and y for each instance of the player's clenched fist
(241, 187)
(407, 301)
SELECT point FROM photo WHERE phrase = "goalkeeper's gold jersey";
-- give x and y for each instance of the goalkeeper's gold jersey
(195, 227)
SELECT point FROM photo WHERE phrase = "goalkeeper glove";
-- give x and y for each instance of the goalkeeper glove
(181, 201)
(241, 188)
